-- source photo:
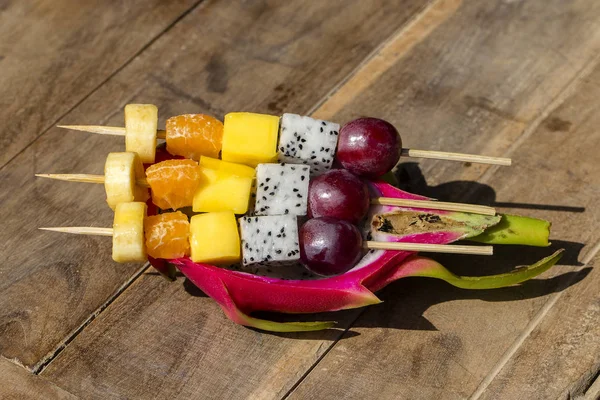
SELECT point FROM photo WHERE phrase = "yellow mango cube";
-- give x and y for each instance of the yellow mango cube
(214, 238)
(250, 138)
(227, 168)
(225, 193)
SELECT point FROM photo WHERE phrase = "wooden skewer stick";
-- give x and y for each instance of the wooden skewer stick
(444, 155)
(431, 248)
(85, 178)
(435, 205)
(107, 130)
(436, 248)
(386, 201)
(82, 230)
(439, 155)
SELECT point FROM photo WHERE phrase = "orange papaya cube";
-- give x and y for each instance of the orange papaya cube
(174, 182)
(167, 235)
(194, 135)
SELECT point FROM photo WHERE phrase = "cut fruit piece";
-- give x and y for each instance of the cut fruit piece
(121, 171)
(141, 122)
(214, 238)
(270, 240)
(304, 140)
(281, 189)
(194, 135)
(174, 182)
(224, 194)
(167, 235)
(250, 138)
(227, 168)
(128, 233)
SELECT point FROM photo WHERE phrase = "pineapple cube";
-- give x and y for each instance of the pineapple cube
(227, 168)
(250, 138)
(141, 122)
(214, 238)
(128, 232)
(222, 190)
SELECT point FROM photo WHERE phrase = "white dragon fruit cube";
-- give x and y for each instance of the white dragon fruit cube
(269, 240)
(281, 189)
(304, 140)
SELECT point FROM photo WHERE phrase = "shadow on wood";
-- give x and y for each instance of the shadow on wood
(411, 179)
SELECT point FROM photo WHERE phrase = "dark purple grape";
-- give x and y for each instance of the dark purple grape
(339, 194)
(329, 246)
(369, 147)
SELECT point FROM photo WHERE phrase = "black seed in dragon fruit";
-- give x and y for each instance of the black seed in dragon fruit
(308, 141)
(281, 189)
(269, 240)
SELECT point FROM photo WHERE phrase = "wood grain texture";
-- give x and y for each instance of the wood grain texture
(20, 384)
(566, 344)
(252, 56)
(561, 357)
(53, 54)
(167, 340)
(478, 81)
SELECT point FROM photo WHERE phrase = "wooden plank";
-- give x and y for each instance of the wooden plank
(565, 345)
(20, 384)
(217, 359)
(251, 56)
(474, 85)
(561, 356)
(429, 340)
(53, 54)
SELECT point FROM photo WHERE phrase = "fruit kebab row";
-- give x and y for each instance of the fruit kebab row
(182, 183)
(192, 135)
(170, 236)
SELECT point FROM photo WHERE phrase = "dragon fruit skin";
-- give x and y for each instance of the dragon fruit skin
(239, 293)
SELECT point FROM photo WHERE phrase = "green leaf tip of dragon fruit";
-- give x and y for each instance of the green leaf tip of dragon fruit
(425, 267)
(517, 230)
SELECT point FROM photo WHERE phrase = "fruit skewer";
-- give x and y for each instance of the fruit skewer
(384, 201)
(369, 245)
(131, 230)
(193, 135)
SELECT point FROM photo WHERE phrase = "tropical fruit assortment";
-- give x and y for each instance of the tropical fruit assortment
(287, 214)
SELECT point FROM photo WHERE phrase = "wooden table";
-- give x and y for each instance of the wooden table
(513, 78)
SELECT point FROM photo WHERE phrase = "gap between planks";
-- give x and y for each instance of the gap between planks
(384, 57)
(104, 81)
(26, 370)
(567, 91)
(50, 356)
(534, 323)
